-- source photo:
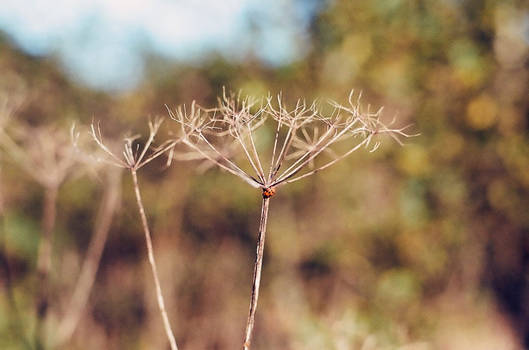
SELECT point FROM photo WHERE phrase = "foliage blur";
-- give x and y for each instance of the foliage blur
(424, 246)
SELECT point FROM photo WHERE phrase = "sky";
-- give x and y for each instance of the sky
(103, 43)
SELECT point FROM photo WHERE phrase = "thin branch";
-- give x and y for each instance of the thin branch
(248, 156)
(96, 135)
(312, 172)
(255, 154)
(158, 152)
(152, 262)
(256, 282)
(276, 138)
(236, 170)
(303, 160)
(284, 150)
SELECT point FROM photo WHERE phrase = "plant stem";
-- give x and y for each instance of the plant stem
(152, 262)
(85, 282)
(49, 214)
(257, 273)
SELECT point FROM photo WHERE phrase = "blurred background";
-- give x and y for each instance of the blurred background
(424, 246)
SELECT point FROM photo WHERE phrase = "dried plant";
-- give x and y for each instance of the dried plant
(133, 158)
(46, 155)
(302, 136)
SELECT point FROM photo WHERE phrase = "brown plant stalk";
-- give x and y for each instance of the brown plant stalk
(152, 262)
(258, 266)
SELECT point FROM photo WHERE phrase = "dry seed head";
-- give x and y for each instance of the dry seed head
(45, 153)
(303, 134)
(133, 156)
